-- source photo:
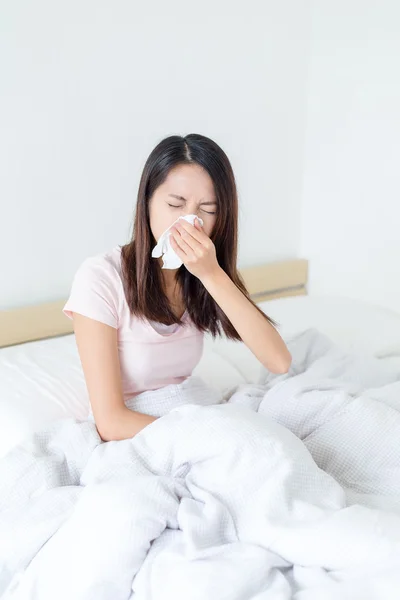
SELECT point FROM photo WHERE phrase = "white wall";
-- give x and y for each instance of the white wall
(88, 88)
(351, 194)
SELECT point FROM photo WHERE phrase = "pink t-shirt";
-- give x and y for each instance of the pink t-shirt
(149, 358)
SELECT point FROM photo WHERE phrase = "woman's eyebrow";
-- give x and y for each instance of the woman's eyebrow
(184, 199)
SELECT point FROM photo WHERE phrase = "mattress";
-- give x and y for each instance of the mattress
(43, 381)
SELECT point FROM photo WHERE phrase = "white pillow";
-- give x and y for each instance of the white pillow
(354, 325)
(39, 382)
(215, 370)
(238, 356)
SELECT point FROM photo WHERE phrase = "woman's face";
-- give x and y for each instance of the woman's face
(188, 189)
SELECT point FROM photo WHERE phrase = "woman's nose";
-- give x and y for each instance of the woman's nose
(190, 210)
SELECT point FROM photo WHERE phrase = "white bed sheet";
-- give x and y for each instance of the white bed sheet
(43, 381)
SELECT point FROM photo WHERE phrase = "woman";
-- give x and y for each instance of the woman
(139, 327)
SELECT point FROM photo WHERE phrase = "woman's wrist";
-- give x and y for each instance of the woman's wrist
(213, 278)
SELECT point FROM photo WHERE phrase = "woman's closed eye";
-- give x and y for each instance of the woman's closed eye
(181, 206)
(174, 206)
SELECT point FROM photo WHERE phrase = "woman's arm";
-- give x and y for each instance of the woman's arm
(98, 351)
(197, 252)
(256, 332)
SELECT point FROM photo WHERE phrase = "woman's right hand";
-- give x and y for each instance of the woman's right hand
(195, 249)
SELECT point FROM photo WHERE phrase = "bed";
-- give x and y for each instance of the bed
(317, 515)
(41, 378)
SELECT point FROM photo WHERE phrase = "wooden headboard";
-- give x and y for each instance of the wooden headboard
(264, 282)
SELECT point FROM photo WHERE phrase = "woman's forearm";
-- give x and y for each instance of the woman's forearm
(256, 332)
(124, 425)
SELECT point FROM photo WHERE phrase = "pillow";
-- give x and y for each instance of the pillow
(39, 382)
(237, 355)
(216, 371)
(354, 325)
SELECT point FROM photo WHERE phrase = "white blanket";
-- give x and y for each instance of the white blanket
(291, 489)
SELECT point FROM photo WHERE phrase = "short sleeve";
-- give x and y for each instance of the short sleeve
(95, 292)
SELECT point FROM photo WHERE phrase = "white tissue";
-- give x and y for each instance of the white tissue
(163, 248)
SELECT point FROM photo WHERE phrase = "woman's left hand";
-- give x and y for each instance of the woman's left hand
(194, 248)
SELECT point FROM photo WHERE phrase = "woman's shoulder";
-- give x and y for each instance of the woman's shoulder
(97, 290)
(105, 265)
(101, 274)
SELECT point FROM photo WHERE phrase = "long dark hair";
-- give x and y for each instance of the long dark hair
(142, 275)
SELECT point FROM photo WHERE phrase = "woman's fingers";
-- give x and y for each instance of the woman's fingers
(190, 241)
(178, 242)
(197, 234)
(199, 258)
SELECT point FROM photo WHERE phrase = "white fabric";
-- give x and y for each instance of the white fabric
(42, 381)
(172, 396)
(357, 326)
(289, 490)
(163, 247)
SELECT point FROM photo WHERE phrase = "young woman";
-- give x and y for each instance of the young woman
(139, 327)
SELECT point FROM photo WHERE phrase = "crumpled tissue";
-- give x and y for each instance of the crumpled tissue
(163, 248)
